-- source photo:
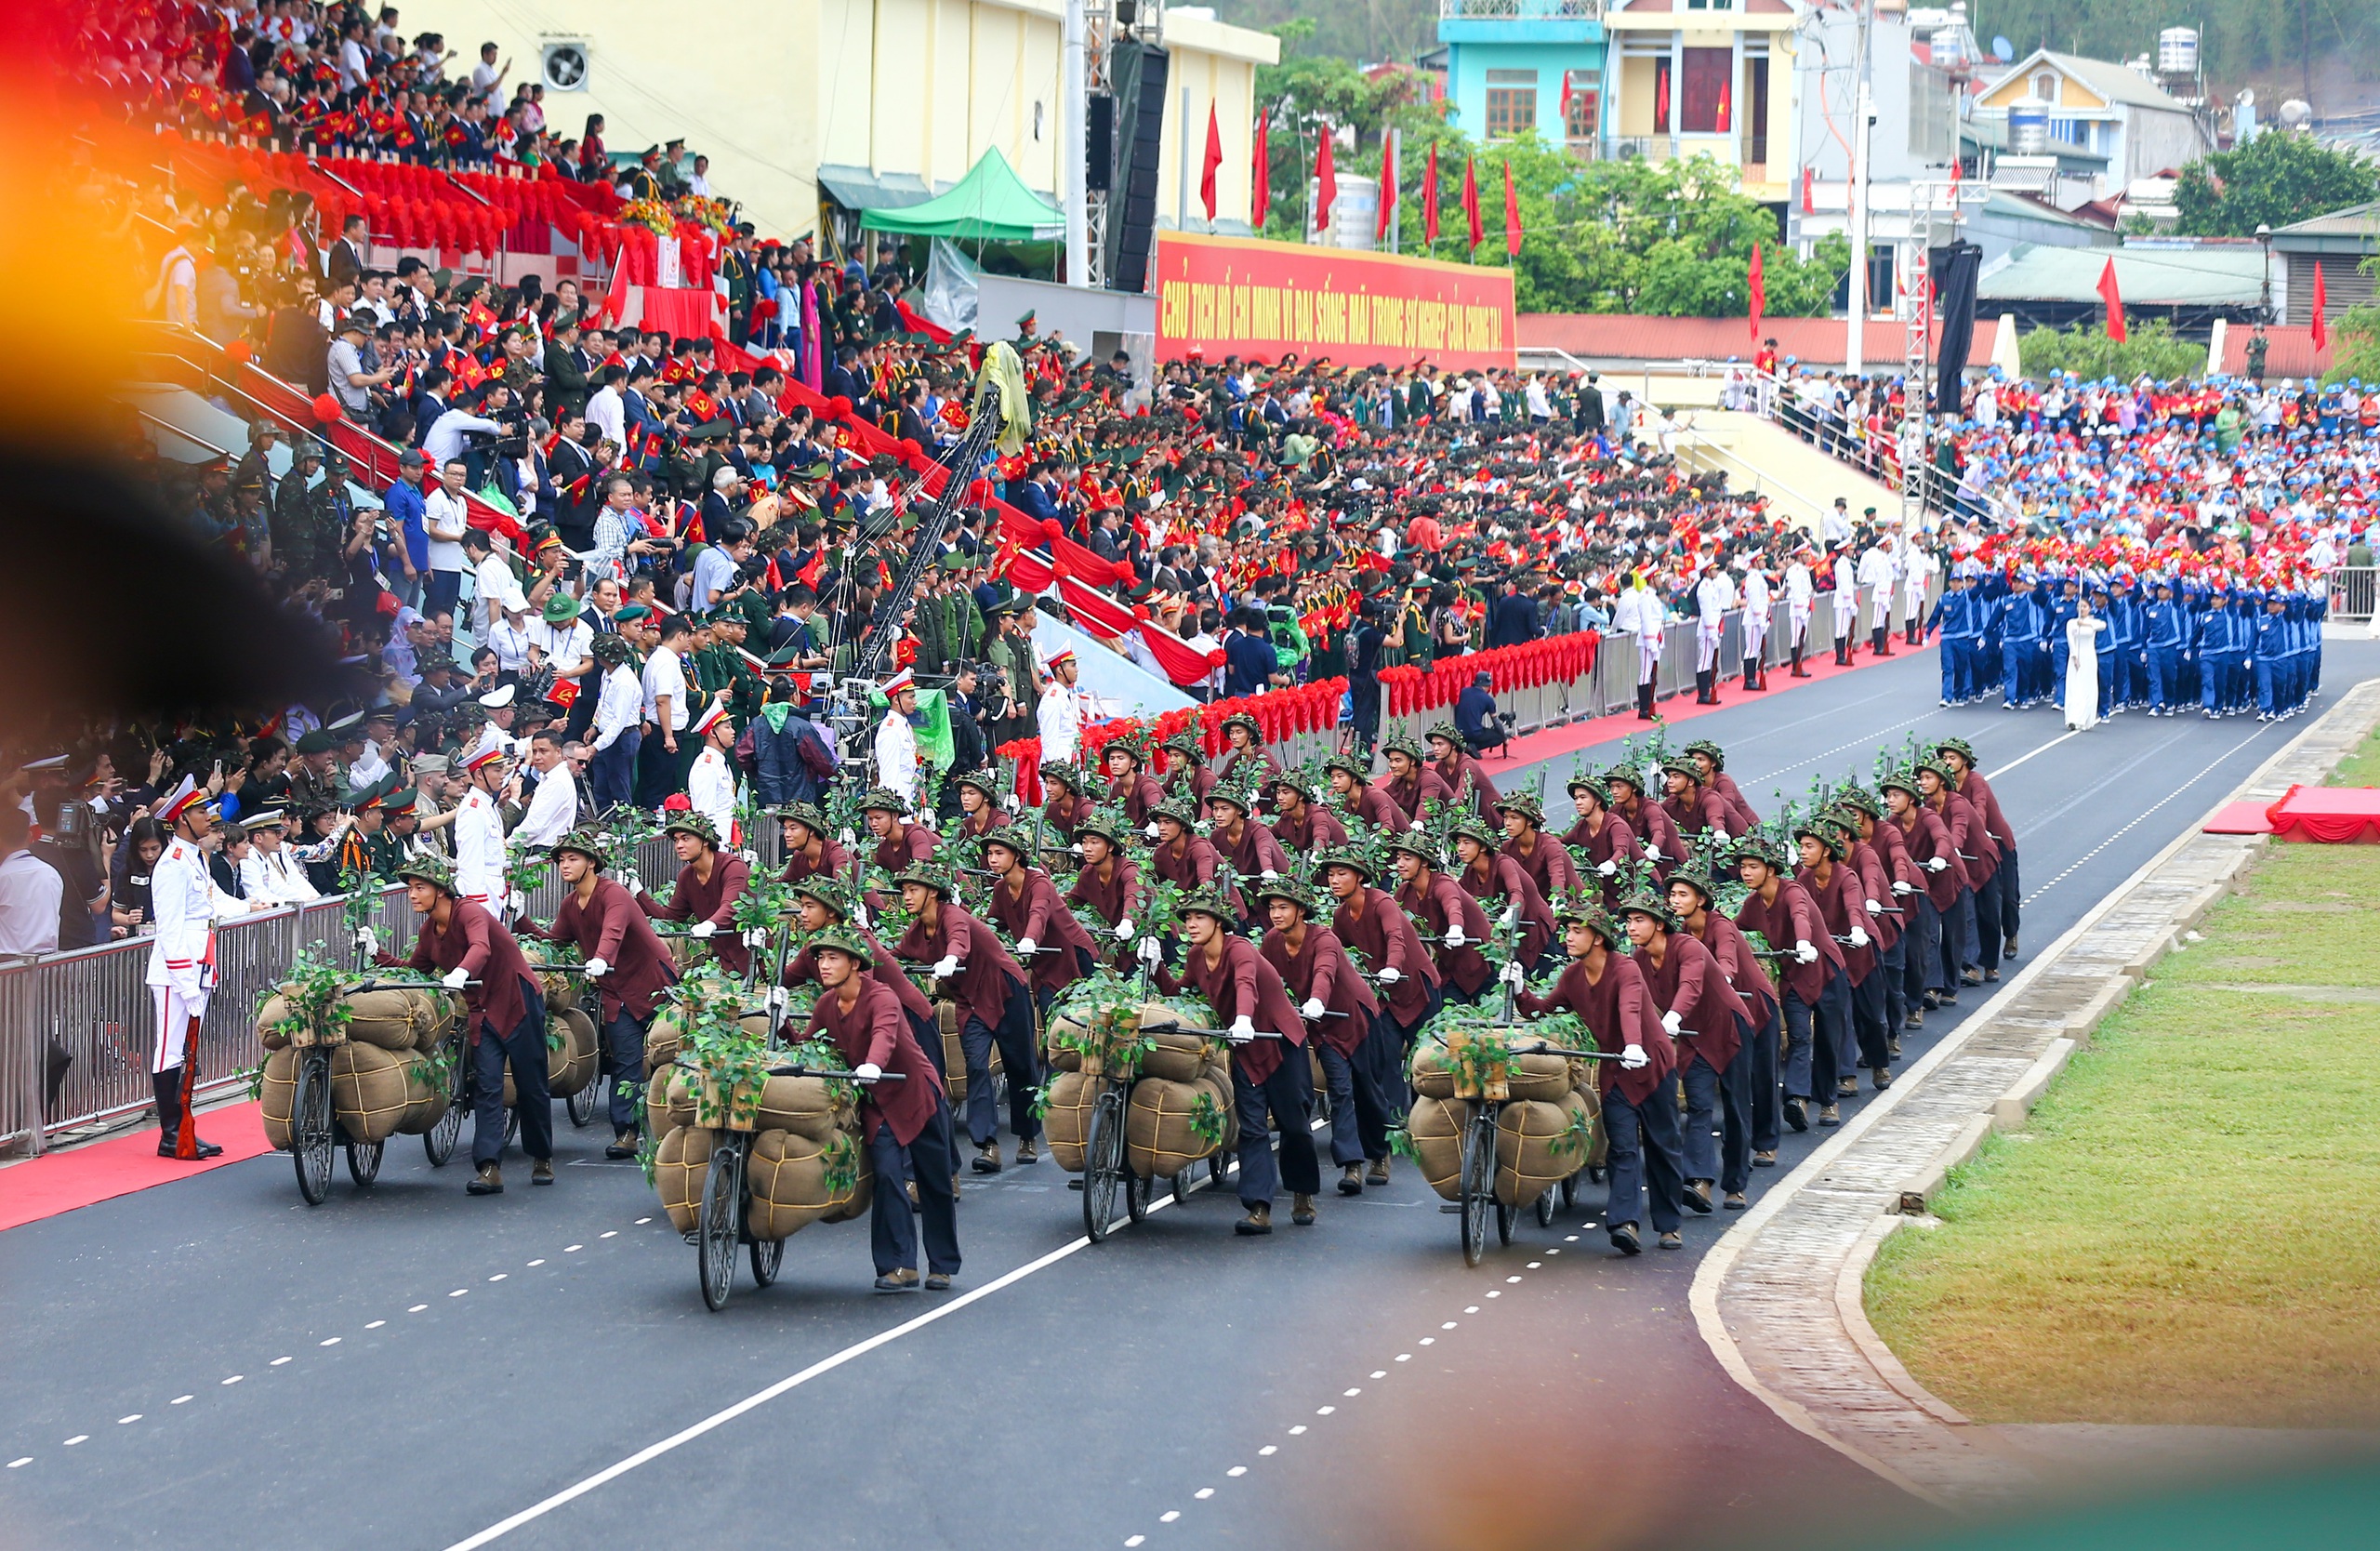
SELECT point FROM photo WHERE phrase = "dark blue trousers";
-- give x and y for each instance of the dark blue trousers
(1645, 1154)
(1022, 1063)
(1286, 1099)
(525, 1051)
(893, 1228)
(623, 1043)
(1762, 1099)
(1359, 1110)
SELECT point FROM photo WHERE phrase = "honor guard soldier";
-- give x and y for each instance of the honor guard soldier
(993, 1004)
(626, 964)
(711, 882)
(711, 781)
(479, 827)
(895, 749)
(504, 1011)
(1605, 988)
(181, 965)
(1343, 1018)
(1272, 1084)
(906, 1121)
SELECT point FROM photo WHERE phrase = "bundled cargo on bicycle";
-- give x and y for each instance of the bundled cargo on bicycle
(1503, 1115)
(1138, 1091)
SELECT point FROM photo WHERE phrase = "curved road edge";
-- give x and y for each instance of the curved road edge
(1778, 1299)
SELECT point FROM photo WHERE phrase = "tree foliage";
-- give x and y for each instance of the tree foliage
(2274, 180)
(1669, 238)
(2152, 348)
(2355, 339)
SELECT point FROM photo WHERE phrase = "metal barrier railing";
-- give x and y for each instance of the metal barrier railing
(2353, 589)
(77, 1029)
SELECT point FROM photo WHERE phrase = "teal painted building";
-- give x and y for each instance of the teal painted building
(1517, 65)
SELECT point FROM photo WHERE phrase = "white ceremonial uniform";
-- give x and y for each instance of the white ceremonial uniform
(1916, 569)
(554, 809)
(1758, 606)
(1847, 597)
(479, 852)
(1713, 596)
(1800, 598)
(181, 955)
(896, 756)
(1060, 721)
(1639, 612)
(1876, 573)
(278, 879)
(710, 790)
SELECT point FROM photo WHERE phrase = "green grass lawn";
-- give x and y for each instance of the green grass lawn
(2184, 1232)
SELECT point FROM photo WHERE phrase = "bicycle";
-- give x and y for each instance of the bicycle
(1476, 1177)
(724, 1216)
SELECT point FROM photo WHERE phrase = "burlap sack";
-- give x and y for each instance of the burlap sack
(392, 1019)
(275, 1012)
(947, 1019)
(1544, 1078)
(679, 1166)
(371, 1089)
(1160, 1139)
(1526, 1163)
(789, 1180)
(561, 991)
(558, 1055)
(801, 1104)
(447, 1009)
(1178, 1058)
(1436, 1126)
(1066, 1120)
(756, 1025)
(280, 1096)
(663, 1037)
(668, 1102)
(856, 1201)
(1428, 1071)
(432, 1096)
(1583, 1100)
(578, 1051)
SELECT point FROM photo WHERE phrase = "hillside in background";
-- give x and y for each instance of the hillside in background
(1364, 31)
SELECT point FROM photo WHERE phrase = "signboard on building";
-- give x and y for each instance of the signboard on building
(1243, 295)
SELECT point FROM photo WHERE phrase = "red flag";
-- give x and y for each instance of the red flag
(1387, 187)
(2321, 296)
(1471, 203)
(1263, 173)
(1430, 196)
(1326, 181)
(1759, 291)
(1214, 159)
(1512, 215)
(2114, 300)
(1723, 108)
(1809, 191)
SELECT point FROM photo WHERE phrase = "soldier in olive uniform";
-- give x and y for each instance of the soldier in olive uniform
(308, 530)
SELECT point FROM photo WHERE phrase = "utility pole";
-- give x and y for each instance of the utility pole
(1862, 117)
(1072, 119)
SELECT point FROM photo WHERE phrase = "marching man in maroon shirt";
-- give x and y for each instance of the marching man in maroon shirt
(1341, 1010)
(709, 882)
(991, 995)
(626, 964)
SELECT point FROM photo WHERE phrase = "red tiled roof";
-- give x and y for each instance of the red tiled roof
(2291, 351)
(1812, 342)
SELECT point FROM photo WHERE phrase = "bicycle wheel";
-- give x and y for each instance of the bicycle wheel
(310, 1124)
(1477, 1185)
(1136, 1194)
(363, 1161)
(1504, 1216)
(768, 1254)
(1545, 1209)
(581, 1105)
(511, 1125)
(718, 1231)
(438, 1142)
(1102, 1160)
(1569, 1190)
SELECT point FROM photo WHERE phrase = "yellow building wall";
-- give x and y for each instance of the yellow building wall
(1636, 80)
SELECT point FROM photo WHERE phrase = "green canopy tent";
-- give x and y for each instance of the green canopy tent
(990, 204)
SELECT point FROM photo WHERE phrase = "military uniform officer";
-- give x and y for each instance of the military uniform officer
(182, 965)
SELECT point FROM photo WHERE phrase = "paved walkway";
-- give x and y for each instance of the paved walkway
(1780, 1299)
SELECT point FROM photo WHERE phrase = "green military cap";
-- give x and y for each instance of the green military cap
(1289, 888)
(883, 798)
(1210, 901)
(560, 609)
(1581, 780)
(1062, 772)
(1588, 913)
(1695, 879)
(987, 780)
(1241, 719)
(924, 879)
(595, 847)
(1525, 804)
(1234, 794)
(1828, 835)
(1005, 836)
(1470, 824)
(1107, 825)
(1401, 743)
(843, 940)
(695, 824)
(1862, 799)
(1627, 772)
(316, 742)
(1703, 745)
(828, 891)
(632, 612)
(1449, 731)
(1646, 903)
(1188, 744)
(804, 813)
(1758, 847)
(1417, 841)
(1348, 857)
(1353, 765)
(431, 868)
(1960, 746)
(400, 803)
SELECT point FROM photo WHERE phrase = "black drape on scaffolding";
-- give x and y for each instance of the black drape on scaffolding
(1955, 268)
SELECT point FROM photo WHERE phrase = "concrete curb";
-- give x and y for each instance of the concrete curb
(1779, 1299)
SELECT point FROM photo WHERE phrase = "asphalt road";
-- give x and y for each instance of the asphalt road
(214, 1363)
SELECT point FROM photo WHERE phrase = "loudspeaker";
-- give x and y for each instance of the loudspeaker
(1132, 218)
(1099, 142)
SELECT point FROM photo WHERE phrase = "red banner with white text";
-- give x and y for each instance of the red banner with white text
(1243, 295)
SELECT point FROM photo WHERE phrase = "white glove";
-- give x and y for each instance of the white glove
(1858, 936)
(1939, 864)
(1607, 867)
(1904, 888)
(1151, 830)
(1152, 952)
(367, 942)
(1124, 930)
(756, 936)
(1243, 1028)
(1312, 1010)
(703, 929)
(776, 1000)
(1026, 946)
(1391, 975)
(515, 903)
(597, 968)
(1671, 1022)
(1268, 875)
(1806, 951)
(867, 1071)
(1634, 1057)
(455, 978)
(751, 857)
(1511, 975)
(1875, 907)
(630, 881)
(946, 967)
(1455, 937)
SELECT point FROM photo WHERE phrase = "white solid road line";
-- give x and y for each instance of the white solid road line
(1995, 774)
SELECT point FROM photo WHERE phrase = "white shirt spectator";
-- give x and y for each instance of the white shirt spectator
(664, 675)
(617, 706)
(609, 414)
(446, 441)
(445, 518)
(31, 896)
(554, 809)
(511, 643)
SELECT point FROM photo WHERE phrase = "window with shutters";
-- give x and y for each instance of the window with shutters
(1704, 108)
(1511, 103)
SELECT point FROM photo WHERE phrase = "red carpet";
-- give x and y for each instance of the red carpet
(2331, 816)
(1555, 742)
(60, 1182)
(2239, 819)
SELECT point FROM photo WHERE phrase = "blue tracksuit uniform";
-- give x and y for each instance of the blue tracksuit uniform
(2218, 651)
(2022, 653)
(2165, 633)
